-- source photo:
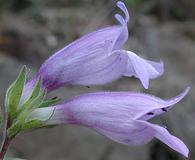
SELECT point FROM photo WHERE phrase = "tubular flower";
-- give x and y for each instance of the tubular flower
(120, 116)
(97, 58)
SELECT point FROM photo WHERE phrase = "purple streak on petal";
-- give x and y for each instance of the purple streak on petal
(141, 68)
(173, 142)
(106, 69)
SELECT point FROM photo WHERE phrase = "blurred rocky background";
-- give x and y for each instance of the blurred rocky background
(32, 30)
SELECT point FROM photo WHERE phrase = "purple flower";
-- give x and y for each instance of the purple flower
(97, 58)
(121, 116)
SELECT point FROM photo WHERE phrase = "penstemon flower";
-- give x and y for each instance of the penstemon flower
(96, 58)
(121, 116)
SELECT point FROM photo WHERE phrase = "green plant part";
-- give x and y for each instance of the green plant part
(15, 118)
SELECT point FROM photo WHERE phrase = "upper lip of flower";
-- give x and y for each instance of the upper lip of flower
(163, 106)
(150, 107)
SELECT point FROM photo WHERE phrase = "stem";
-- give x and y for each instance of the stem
(6, 140)
(4, 147)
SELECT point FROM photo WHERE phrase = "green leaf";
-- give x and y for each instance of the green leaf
(14, 93)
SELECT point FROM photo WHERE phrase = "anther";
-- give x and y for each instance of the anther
(164, 109)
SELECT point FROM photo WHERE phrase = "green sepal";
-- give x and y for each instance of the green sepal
(37, 89)
(35, 103)
(38, 101)
(14, 129)
(34, 124)
(49, 102)
(20, 113)
(14, 94)
(22, 125)
(35, 93)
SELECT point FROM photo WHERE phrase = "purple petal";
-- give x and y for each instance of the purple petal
(95, 59)
(128, 104)
(164, 106)
(114, 105)
(106, 69)
(129, 132)
(139, 133)
(122, 130)
(68, 65)
(100, 70)
(159, 66)
(142, 69)
(28, 89)
(117, 115)
(90, 70)
(122, 20)
(163, 135)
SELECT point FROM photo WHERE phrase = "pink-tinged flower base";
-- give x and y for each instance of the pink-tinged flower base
(120, 116)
